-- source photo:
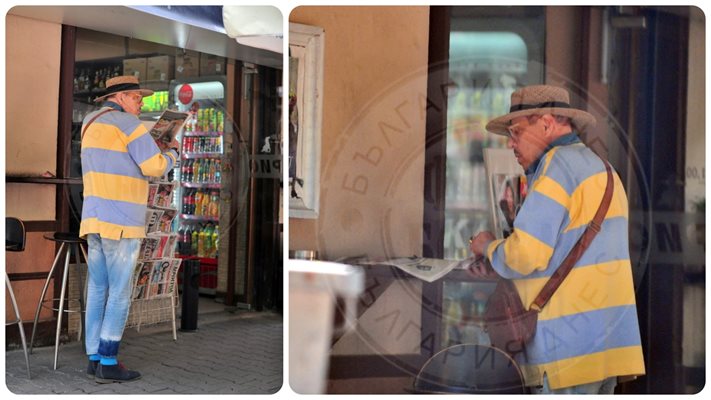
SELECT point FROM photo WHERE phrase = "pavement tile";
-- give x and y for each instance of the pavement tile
(234, 353)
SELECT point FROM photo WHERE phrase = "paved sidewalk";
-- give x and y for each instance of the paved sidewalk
(230, 353)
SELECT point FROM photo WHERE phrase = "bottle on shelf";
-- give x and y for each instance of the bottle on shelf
(205, 204)
(214, 205)
(186, 201)
(198, 202)
(197, 171)
(201, 242)
(194, 240)
(215, 240)
(208, 240)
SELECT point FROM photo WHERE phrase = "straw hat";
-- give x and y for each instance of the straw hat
(125, 83)
(539, 100)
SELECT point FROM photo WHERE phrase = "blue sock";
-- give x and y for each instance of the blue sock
(94, 357)
(108, 360)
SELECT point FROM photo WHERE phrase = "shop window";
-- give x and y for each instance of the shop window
(489, 57)
(492, 51)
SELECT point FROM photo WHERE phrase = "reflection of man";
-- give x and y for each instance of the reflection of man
(587, 335)
(118, 155)
(507, 204)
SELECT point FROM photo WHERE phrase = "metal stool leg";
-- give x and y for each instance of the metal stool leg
(19, 322)
(44, 292)
(61, 306)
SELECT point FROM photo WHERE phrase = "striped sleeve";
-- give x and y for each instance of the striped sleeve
(147, 155)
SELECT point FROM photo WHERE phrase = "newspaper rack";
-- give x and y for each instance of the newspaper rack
(154, 298)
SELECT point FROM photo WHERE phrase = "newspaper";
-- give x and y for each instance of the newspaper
(158, 245)
(155, 278)
(153, 218)
(426, 269)
(166, 220)
(168, 125)
(160, 195)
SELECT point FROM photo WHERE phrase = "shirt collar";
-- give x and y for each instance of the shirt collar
(113, 105)
(564, 140)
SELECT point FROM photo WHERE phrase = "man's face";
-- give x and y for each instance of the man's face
(131, 102)
(527, 139)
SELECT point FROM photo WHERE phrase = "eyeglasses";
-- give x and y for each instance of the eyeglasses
(137, 97)
(514, 131)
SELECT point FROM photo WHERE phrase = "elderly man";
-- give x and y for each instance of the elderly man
(587, 335)
(117, 157)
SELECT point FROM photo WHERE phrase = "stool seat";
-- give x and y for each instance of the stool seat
(64, 237)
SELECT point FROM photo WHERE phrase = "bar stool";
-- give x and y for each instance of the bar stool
(15, 238)
(72, 243)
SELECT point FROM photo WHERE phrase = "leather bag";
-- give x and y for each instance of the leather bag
(509, 324)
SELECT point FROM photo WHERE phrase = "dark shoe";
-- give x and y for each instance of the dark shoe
(115, 373)
(91, 369)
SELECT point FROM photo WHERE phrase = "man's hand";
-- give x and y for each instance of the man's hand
(479, 243)
(167, 146)
(174, 144)
(479, 267)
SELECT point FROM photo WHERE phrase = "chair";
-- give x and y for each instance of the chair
(72, 243)
(470, 369)
(15, 241)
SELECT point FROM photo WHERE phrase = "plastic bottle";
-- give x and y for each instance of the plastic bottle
(198, 202)
(194, 241)
(215, 240)
(205, 205)
(214, 205)
(201, 243)
(218, 172)
(192, 202)
(188, 171)
(186, 202)
(213, 168)
(208, 240)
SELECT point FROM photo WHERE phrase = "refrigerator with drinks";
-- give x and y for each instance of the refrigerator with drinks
(200, 187)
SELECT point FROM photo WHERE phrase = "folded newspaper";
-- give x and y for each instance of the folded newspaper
(168, 125)
(427, 269)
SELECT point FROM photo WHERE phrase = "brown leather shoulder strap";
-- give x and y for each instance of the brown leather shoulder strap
(577, 251)
(83, 131)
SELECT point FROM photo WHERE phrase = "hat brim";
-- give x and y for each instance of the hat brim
(581, 119)
(144, 93)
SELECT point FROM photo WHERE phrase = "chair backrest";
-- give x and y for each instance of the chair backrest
(14, 234)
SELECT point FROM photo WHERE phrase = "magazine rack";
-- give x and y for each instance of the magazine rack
(154, 297)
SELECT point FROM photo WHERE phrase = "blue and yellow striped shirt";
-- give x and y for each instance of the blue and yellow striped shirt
(117, 157)
(589, 330)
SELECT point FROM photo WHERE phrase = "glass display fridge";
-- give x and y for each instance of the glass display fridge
(199, 173)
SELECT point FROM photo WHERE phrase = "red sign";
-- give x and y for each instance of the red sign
(185, 94)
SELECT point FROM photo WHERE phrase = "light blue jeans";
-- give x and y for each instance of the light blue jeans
(111, 265)
(606, 386)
